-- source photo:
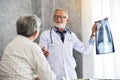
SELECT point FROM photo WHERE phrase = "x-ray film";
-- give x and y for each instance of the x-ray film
(104, 40)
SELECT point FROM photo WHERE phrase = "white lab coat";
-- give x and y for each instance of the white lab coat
(22, 59)
(60, 56)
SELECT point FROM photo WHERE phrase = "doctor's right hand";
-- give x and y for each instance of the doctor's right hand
(46, 53)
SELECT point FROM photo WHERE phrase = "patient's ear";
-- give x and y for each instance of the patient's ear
(35, 34)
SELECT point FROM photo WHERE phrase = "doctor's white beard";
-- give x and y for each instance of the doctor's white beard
(60, 25)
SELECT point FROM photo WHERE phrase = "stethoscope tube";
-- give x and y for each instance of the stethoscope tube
(51, 35)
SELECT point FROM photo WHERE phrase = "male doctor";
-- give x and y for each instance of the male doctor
(58, 44)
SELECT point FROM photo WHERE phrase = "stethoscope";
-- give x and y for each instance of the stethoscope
(51, 38)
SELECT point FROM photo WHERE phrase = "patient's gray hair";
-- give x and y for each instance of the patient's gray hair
(27, 25)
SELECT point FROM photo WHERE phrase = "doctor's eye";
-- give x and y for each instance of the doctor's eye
(58, 16)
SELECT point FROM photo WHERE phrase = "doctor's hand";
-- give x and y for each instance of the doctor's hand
(93, 31)
(46, 53)
(37, 78)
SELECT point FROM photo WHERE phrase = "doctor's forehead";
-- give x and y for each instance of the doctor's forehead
(61, 12)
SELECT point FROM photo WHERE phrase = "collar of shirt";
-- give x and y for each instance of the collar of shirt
(56, 30)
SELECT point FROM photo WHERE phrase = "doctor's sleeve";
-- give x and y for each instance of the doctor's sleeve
(81, 47)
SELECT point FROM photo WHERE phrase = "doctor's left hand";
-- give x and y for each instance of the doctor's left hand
(46, 53)
(37, 78)
(94, 28)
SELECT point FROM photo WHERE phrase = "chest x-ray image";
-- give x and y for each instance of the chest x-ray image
(104, 40)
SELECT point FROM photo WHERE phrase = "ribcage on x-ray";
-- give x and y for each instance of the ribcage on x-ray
(104, 41)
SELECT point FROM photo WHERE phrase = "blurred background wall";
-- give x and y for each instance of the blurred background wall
(10, 10)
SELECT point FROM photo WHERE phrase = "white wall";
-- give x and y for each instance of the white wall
(105, 66)
(115, 22)
(86, 30)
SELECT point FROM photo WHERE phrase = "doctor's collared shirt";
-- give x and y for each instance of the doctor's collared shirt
(22, 59)
(60, 56)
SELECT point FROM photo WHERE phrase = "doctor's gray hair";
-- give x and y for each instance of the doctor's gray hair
(60, 9)
(27, 25)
